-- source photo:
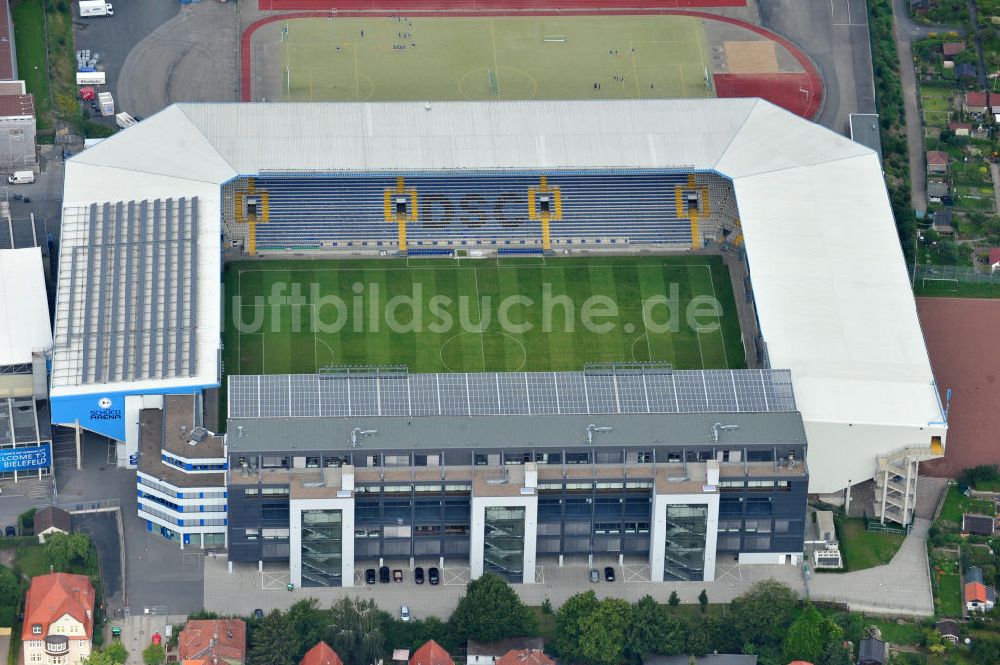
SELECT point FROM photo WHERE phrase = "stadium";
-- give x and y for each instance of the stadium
(585, 430)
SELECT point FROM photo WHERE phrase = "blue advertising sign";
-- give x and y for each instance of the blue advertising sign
(25, 459)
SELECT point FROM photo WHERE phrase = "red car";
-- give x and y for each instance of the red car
(87, 94)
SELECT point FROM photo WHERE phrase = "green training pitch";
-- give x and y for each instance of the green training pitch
(472, 315)
(484, 58)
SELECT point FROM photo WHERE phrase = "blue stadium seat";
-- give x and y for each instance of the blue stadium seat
(460, 208)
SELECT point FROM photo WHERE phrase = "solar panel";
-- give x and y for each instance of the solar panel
(514, 393)
(129, 270)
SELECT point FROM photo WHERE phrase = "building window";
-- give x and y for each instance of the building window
(274, 462)
(36, 629)
(577, 458)
(312, 462)
(760, 455)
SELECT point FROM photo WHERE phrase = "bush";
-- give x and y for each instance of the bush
(27, 521)
(6, 617)
(982, 474)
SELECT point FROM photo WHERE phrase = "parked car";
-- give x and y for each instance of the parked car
(595, 576)
(383, 574)
(404, 612)
(609, 574)
(432, 576)
(418, 575)
(370, 576)
(397, 575)
(10, 531)
(258, 613)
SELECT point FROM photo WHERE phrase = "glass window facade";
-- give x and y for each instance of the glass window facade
(503, 543)
(322, 547)
(684, 551)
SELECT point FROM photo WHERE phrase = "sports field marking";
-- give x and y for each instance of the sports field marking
(722, 335)
(479, 306)
(496, 62)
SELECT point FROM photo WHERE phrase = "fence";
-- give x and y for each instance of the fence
(963, 274)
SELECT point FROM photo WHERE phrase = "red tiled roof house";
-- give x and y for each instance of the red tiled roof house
(525, 657)
(937, 161)
(431, 653)
(321, 654)
(58, 620)
(213, 642)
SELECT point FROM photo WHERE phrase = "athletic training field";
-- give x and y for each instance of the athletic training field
(474, 315)
(392, 59)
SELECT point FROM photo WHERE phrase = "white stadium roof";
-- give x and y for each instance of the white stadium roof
(831, 288)
(24, 306)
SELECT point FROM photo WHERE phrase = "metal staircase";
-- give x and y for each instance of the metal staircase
(896, 481)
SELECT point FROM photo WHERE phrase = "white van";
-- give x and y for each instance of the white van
(21, 177)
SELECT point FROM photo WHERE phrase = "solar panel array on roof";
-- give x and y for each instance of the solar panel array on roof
(513, 393)
(130, 275)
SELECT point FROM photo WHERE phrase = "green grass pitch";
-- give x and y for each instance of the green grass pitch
(486, 58)
(279, 335)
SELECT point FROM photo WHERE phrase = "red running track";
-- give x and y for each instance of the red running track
(784, 89)
(407, 6)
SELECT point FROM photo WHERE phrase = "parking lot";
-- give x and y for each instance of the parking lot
(248, 588)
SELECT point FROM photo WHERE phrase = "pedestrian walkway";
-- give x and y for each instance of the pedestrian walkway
(903, 586)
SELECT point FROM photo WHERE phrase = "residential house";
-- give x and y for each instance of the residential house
(949, 49)
(525, 657)
(978, 525)
(994, 259)
(873, 651)
(709, 659)
(936, 189)
(978, 596)
(942, 222)
(431, 653)
(965, 71)
(321, 654)
(948, 629)
(487, 653)
(975, 102)
(960, 128)
(51, 520)
(937, 161)
(919, 7)
(213, 642)
(58, 620)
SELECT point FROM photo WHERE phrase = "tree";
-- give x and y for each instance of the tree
(272, 642)
(603, 632)
(491, 611)
(673, 640)
(568, 624)
(308, 624)
(674, 599)
(116, 652)
(99, 658)
(9, 586)
(698, 639)
(763, 614)
(647, 628)
(703, 600)
(835, 654)
(153, 654)
(806, 638)
(355, 631)
(63, 549)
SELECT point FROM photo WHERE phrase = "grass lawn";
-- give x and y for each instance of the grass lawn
(551, 57)
(905, 633)
(864, 549)
(956, 503)
(546, 622)
(29, 33)
(936, 103)
(468, 329)
(950, 595)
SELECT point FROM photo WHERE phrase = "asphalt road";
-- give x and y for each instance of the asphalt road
(103, 531)
(834, 33)
(115, 36)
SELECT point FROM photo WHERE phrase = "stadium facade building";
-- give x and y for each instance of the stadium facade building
(138, 318)
(25, 345)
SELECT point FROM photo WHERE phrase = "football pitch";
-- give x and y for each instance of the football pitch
(481, 58)
(472, 315)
